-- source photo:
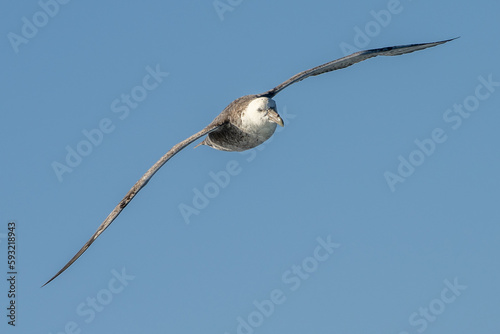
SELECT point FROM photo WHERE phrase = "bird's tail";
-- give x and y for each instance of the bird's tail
(201, 143)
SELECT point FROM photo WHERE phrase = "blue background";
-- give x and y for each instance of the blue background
(323, 175)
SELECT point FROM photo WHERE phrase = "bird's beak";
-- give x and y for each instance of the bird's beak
(274, 117)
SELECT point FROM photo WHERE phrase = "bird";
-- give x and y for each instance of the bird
(245, 123)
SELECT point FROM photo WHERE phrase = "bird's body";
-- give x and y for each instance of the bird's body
(244, 124)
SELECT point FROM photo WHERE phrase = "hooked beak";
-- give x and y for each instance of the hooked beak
(274, 117)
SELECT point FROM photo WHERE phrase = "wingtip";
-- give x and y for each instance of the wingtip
(54, 277)
(450, 39)
(50, 280)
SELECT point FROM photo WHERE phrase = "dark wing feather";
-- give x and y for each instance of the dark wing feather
(351, 60)
(136, 188)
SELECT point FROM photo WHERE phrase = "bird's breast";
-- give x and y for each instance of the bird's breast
(233, 138)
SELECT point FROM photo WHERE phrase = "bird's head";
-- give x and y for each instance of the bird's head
(261, 111)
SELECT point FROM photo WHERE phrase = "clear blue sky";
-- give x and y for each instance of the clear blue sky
(375, 210)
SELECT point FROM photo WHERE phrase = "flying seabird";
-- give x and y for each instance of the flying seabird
(244, 124)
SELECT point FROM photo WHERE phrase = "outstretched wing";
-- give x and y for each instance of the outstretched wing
(351, 60)
(136, 188)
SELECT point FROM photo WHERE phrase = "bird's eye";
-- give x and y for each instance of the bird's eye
(260, 109)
